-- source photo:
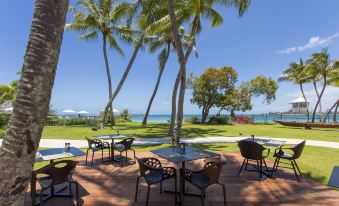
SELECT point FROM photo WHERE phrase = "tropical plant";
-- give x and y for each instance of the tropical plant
(186, 11)
(209, 88)
(23, 135)
(8, 93)
(296, 74)
(320, 66)
(102, 17)
(239, 99)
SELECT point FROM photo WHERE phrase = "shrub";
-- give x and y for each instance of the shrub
(2, 132)
(4, 118)
(243, 120)
(219, 120)
(192, 120)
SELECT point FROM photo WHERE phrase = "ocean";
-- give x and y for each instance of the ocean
(259, 118)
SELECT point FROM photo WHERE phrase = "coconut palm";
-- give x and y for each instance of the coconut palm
(193, 11)
(334, 81)
(22, 138)
(102, 17)
(320, 66)
(295, 73)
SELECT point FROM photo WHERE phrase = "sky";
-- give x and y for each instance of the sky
(270, 36)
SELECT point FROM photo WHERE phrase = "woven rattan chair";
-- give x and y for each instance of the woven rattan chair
(206, 177)
(97, 145)
(253, 151)
(153, 172)
(56, 173)
(123, 146)
(296, 151)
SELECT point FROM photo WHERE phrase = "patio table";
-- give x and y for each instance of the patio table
(182, 155)
(111, 137)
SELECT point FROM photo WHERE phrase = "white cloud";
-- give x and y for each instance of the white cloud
(314, 42)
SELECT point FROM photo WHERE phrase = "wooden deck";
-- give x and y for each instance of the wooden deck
(107, 184)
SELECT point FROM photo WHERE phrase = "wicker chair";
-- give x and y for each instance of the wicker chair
(204, 178)
(280, 153)
(253, 151)
(97, 145)
(53, 174)
(153, 172)
(123, 146)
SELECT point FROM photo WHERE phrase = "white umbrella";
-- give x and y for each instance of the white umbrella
(9, 109)
(82, 112)
(68, 111)
(114, 110)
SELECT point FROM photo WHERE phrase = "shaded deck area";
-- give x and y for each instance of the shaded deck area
(109, 184)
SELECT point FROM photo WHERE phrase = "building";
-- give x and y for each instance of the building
(299, 105)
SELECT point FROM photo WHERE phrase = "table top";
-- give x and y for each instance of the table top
(57, 153)
(267, 142)
(110, 136)
(176, 154)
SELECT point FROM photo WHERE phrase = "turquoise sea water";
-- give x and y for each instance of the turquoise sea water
(259, 118)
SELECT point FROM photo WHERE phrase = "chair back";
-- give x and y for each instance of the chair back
(298, 149)
(59, 171)
(93, 143)
(127, 142)
(148, 164)
(212, 170)
(251, 150)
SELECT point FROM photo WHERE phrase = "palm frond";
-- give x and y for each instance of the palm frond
(113, 44)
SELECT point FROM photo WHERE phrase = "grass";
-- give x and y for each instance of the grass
(153, 130)
(315, 162)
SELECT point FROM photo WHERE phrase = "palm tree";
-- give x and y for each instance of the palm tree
(165, 41)
(101, 17)
(185, 12)
(320, 66)
(334, 81)
(295, 73)
(22, 138)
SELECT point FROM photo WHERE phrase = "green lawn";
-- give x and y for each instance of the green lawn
(160, 130)
(315, 162)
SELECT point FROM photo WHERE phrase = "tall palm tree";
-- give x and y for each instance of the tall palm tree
(320, 66)
(101, 17)
(295, 73)
(196, 10)
(23, 135)
(334, 81)
(163, 41)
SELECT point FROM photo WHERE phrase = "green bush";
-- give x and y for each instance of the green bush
(2, 132)
(56, 121)
(219, 120)
(192, 120)
(4, 118)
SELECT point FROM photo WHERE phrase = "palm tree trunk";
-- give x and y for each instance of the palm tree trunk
(317, 92)
(31, 107)
(319, 98)
(335, 105)
(303, 93)
(163, 64)
(174, 106)
(182, 62)
(335, 112)
(122, 80)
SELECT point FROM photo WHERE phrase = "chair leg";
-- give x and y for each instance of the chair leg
(295, 163)
(120, 159)
(136, 190)
(102, 154)
(126, 156)
(160, 187)
(246, 164)
(148, 190)
(259, 172)
(92, 158)
(86, 155)
(77, 193)
(295, 171)
(224, 192)
(243, 162)
(202, 197)
(175, 191)
(70, 188)
(133, 154)
(273, 168)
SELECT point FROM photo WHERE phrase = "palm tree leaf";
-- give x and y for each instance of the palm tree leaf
(113, 44)
(91, 36)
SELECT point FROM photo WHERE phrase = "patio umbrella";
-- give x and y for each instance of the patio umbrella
(82, 112)
(114, 110)
(68, 111)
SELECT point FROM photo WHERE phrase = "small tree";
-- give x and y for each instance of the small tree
(239, 99)
(209, 88)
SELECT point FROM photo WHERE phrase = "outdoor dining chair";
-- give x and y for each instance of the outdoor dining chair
(97, 145)
(253, 151)
(280, 153)
(56, 173)
(153, 172)
(204, 178)
(123, 146)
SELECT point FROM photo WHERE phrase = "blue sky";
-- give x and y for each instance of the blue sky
(265, 40)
